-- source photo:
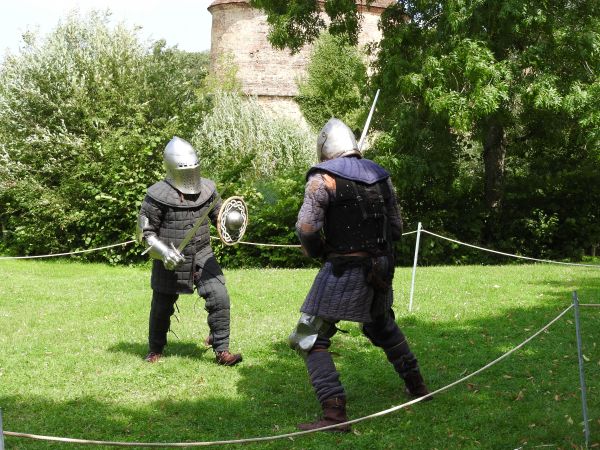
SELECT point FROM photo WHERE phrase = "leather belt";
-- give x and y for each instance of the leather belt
(335, 255)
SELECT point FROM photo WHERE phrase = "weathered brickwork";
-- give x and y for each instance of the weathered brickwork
(240, 32)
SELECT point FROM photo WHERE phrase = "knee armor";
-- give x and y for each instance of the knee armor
(307, 330)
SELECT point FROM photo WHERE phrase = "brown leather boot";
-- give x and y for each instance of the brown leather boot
(334, 411)
(153, 357)
(225, 358)
(415, 385)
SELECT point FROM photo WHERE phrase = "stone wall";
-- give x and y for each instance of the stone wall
(239, 32)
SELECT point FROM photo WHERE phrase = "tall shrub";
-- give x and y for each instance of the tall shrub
(262, 157)
(334, 83)
(239, 136)
(84, 116)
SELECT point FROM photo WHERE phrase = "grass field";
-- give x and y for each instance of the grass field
(72, 338)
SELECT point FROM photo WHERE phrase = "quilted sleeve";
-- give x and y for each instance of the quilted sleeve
(214, 212)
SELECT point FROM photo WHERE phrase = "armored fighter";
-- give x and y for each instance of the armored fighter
(350, 218)
(173, 223)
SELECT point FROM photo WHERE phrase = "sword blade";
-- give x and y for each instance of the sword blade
(366, 128)
(192, 232)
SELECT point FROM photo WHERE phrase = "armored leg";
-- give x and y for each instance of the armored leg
(161, 310)
(312, 339)
(325, 380)
(385, 333)
(323, 375)
(217, 305)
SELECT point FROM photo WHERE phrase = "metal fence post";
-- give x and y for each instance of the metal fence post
(414, 271)
(1, 432)
(586, 425)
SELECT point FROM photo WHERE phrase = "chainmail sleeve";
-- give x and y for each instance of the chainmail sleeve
(311, 217)
(394, 215)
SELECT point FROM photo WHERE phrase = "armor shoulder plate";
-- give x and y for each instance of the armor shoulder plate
(355, 169)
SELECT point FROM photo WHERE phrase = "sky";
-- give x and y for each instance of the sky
(185, 23)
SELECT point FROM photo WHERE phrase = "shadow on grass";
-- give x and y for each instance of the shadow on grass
(174, 348)
(588, 290)
(529, 399)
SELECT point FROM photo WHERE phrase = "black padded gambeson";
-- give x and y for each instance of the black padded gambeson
(170, 216)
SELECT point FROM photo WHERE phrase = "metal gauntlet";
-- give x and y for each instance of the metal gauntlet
(169, 255)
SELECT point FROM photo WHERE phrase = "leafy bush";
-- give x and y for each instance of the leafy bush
(263, 158)
(239, 139)
(84, 117)
(334, 84)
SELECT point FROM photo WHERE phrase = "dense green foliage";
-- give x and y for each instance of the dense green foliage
(487, 119)
(502, 93)
(84, 116)
(489, 114)
(75, 367)
(334, 83)
(296, 22)
(263, 158)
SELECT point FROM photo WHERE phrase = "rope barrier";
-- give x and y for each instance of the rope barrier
(129, 242)
(67, 253)
(262, 245)
(549, 261)
(297, 433)
(288, 245)
(299, 246)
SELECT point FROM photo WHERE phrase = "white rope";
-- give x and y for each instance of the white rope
(67, 253)
(129, 242)
(287, 245)
(262, 245)
(509, 254)
(593, 305)
(271, 245)
(297, 433)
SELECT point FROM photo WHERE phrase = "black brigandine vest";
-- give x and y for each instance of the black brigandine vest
(357, 219)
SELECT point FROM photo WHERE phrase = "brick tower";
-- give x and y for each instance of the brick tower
(240, 31)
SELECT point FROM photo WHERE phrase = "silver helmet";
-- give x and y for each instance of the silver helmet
(182, 166)
(336, 139)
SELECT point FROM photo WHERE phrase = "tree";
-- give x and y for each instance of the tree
(514, 80)
(334, 84)
(491, 70)
(297, 22)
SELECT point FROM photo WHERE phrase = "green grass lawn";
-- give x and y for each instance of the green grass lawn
(72, 339)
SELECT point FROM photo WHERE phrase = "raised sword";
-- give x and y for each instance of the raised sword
(367, 123)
